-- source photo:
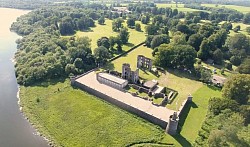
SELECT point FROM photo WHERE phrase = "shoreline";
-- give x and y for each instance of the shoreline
(32, 125)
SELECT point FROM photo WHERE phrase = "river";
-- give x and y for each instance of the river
(15, 131)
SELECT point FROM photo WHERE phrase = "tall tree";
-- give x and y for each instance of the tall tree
(124, 35)
(237, 88)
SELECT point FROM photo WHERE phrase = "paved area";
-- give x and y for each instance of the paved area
(157, 111)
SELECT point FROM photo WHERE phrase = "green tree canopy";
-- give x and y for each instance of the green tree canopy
(237, 88)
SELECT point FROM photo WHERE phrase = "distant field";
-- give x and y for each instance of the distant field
(180, 7)
(242, 28)
(106, 30)
(238, 8)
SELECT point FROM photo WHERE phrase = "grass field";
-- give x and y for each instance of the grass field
(71, 117)
(99, 31)
(191, 124)
(242, 28)
(180, 7)
(238, 8)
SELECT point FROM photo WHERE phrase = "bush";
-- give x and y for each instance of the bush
(228, 66)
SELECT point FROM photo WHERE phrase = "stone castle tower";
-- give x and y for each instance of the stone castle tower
(172, 124)
(127, 73)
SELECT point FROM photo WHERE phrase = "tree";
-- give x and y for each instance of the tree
(246, 18)
(248, 30)
(175, 56)
(138, 27)
(183, 28)
(195, 41)
(204, 74)
(130, 22)
(104, 41)
(158, 40)
(235, 60)
(101, 20)
(117, 24)
(237, 29)
(244, 67)
(218, 56)
(151, 29)
(238, 42)
(66, 27)
(227, 26)
(203, 53)
(101, 55)
(112, 41)
(124, 35)
(237, 88)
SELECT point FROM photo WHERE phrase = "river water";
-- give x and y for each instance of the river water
(15, 131)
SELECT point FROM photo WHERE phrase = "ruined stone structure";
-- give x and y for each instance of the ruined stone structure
(128, 74)
(144, 62)
(173, 124)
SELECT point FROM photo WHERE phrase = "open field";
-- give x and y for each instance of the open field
(99, 31)
(242, 28)
(180, 7)
(238, 8)
(71, 117)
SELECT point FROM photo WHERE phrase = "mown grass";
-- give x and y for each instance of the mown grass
(242, 28)
(71, 117)
(179, 7)
(196, 112)
(105, 30)
(238, 8)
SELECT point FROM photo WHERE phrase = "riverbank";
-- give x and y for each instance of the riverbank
(14, 129)
(71, 117)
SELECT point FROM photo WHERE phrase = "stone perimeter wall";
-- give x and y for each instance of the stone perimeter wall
(120, 104)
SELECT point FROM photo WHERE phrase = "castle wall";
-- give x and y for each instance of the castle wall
(122, 105)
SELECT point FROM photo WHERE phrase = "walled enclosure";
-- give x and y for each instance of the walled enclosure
(161, 118)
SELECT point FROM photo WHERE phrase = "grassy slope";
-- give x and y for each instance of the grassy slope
(75, 118)
(99, 31)
(238, 8)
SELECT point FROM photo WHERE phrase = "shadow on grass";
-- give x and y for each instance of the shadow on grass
(178, 137)
(184, 114)
(49, 82)
(182, 74)
(182, 140)
(214, 87)
(130, 44)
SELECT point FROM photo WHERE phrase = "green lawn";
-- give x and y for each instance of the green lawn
(242, 28)
(99, 31)
(196, 112)
(180, 7)
(238, 8)
(71, 117)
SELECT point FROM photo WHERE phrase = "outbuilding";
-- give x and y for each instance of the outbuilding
(111, 80)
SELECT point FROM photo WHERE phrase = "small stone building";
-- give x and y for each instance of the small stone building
(128, 74)
(111, 80)
(144, 62)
